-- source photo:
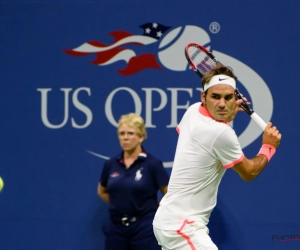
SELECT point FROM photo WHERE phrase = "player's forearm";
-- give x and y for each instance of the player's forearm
(254, 167)
(259, 163)
(249, 169)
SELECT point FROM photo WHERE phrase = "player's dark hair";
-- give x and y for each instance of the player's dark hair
(219, 70)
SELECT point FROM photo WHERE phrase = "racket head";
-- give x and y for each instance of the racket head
(200, 59)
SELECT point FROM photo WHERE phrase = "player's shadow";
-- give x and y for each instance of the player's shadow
(224, 229)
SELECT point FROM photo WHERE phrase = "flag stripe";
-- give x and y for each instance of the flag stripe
(139, 63)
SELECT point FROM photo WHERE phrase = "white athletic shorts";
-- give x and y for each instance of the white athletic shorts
(189, 237)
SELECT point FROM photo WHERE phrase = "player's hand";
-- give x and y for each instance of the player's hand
(271, 135)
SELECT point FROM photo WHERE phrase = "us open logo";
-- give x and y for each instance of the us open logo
(166, 54)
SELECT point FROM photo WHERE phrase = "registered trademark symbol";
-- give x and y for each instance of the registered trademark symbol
(214, 27)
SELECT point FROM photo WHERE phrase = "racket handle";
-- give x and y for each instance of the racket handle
(260, 122)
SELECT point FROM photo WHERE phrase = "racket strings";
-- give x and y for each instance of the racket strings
(201, 60)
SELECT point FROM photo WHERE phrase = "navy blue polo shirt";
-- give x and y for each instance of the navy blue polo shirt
(133, 191)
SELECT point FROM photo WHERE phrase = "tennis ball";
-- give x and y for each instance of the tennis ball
(1, 184)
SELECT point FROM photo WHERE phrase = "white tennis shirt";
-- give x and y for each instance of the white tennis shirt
(205, 149)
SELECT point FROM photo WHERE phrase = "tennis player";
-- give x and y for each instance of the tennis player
(206, 147)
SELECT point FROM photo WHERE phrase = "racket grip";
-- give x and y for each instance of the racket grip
(260, 122)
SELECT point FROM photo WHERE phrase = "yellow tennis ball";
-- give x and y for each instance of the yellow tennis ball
(1, 184)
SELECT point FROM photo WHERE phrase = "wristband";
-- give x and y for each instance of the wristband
(267, 150)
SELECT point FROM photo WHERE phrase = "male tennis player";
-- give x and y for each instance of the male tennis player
(206, 147)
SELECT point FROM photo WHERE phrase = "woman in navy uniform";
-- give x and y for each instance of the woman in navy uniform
(128, 184)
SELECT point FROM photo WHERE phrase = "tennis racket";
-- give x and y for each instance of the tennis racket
(202, 61)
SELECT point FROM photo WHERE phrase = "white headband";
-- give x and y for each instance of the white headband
(220, 79)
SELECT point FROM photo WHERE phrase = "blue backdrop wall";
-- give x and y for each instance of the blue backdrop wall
(69, 69)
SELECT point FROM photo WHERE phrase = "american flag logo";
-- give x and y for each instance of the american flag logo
(125, 47)
(115, 174)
